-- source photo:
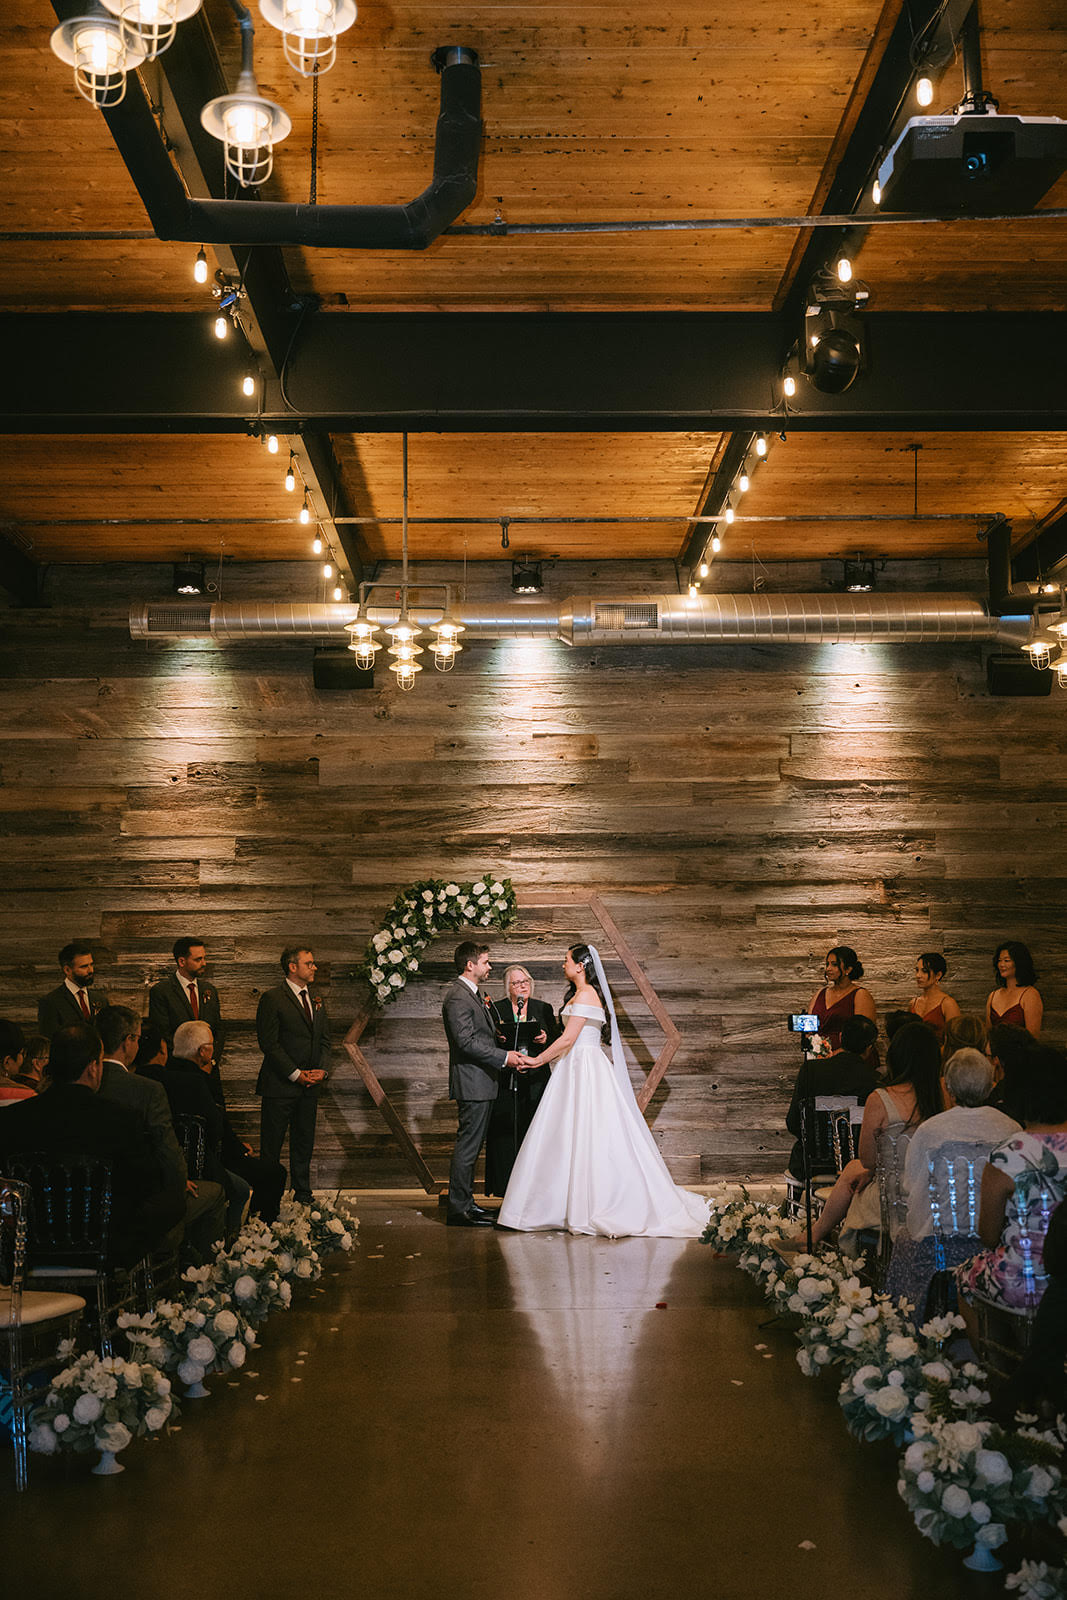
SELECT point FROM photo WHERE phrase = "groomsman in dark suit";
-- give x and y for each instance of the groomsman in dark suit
(475, 1060)
(294, 1035)
(185, 995)
(71, 1003)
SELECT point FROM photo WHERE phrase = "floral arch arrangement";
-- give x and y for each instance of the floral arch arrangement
(423, 911)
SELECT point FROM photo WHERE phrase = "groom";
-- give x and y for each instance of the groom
(474, 1063)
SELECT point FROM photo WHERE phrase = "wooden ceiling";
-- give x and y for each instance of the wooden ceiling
(605, 112)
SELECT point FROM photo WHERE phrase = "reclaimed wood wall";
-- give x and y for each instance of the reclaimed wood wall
(738, 809)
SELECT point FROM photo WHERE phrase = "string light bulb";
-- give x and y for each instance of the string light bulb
(729, 515)
(716, 543)
(337, 593)
(290, 475)
(272, 444)
(316, 546)
(743, 483)
(844, 269)
(924, 91)
(200, 267)
(789, 386)
(876, 192)
(222, 326)
(693, 591)
(248, 385)
(704, 569)
(305, 511)
(327, 569)
(761, 445)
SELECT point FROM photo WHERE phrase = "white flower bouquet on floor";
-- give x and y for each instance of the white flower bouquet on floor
(190, 1338)
(730, 1221)
(879, 1400)
(101, 1403)
(419, 913)
(249, 1277)
(289, 1241)
(1036, 1580)
(331, 1224)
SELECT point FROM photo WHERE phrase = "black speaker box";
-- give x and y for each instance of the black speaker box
(1014, 675)
(339, 669)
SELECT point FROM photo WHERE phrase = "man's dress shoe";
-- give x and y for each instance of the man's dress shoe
(468, 1219)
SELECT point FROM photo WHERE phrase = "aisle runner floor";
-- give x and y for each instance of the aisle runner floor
(487, 1416)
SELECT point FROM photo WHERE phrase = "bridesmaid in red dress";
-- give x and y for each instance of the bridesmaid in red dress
(842, 997)
(1015, 1001)
(932, 1005)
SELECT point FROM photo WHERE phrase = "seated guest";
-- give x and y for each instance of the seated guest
(152, 1050)
(1024, 1179)
(70, 1120)
(245, 1172)
(912, 1094)
(33, 1063)
(970, 1121)
(12, 1056)
(847, 1072)
(120, 1029)
(965, 1032)
(894, 1021)
(1008, 1049)
(932, 1005)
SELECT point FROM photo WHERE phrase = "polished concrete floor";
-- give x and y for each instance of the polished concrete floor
(470, 1415)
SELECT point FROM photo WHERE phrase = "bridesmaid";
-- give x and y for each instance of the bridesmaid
(1020, 1005)
(932, 1005)
(841, 997)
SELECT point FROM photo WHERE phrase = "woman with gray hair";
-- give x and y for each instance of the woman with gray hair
(944, 1163)
(527, 1024)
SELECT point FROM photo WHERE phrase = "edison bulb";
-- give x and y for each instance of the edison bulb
(337, 592)
(327, 569)
(222, 326)
(305, 514)
(924, 91)
(200, 266)
(729, 515)
(716, 544)
(743, 482)
(248, 384)
(703, 569)
(761, 445)
(316, 546)
(876, 192)
(844, 270)
(789, 386)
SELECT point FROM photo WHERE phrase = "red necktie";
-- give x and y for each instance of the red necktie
(193, 1001)
(83, 1000)
(307, 1006)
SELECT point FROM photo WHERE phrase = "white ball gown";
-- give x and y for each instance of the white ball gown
(589, 1163)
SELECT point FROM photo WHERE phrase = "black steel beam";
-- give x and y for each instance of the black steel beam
(1046, 554)
(424, 372)
(711, 503)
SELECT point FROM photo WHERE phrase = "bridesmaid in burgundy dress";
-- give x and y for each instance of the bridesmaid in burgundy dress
(842, 997)
(932, 1005)
(1015, 1001)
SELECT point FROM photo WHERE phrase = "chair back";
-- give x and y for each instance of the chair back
(953, 1185)
(892, 1198)
(192, 1136)
(14, 1204)
(69, 1212)
(1035, 1201)
(829, 1132)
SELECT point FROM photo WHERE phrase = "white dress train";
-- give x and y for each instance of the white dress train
(589, 1163)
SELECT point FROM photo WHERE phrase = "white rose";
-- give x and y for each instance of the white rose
(1040, 1485)
(810, 1289)
(335, 1226)
(303, 1268)
(477, 888)
(155, 1417)
(918, 1455)
(245, 1288)
(483, 899)
(955, 1502)
(226, 1323)
(250, 1336)
(380, 940)
(42, 1439)
(285, 1293)
(376, 974)
(201, 1350)
(236, 1353)
(396, 981)
(862, 1379)
(899, 1346)
(285, 1262)
(890, 1402)
(805, 1363)
(937, 1371)
(486, 920)
(980, 1512)
(427, 894)
(992, 1536)
(112, 1436)
(795, 1303)
(451, 889)
(395, 957)
(924, 1482)
(190, 1372)
(384, 991)
(61, 1423)
(966, 1436)
(497, 888)
(413, 965)
(87, 1408)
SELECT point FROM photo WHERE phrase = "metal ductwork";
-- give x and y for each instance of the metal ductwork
(175, 215)
(626, 619)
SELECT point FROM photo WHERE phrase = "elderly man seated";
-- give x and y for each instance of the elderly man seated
(960, 1139)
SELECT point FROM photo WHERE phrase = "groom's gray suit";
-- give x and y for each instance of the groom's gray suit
(474, 1063)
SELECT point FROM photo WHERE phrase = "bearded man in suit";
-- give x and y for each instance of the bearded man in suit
(475, 1061)
(185, 995)
(294, 1035)
(70, 1004)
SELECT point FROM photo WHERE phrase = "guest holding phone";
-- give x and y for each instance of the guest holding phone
(842, 996)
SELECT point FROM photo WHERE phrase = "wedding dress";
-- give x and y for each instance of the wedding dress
(589, 1163)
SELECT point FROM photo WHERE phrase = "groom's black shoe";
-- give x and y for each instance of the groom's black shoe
(474, 1218)
(474, 1210)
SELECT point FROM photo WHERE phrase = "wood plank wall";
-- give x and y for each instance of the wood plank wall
(739, 810)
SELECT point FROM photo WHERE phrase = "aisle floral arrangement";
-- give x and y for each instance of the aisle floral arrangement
(964, 1478)
(104, 1403)
(421, 912)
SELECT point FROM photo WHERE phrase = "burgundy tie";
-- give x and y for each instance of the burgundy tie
(193, 1001)
(83, 1000)
(307, 1006)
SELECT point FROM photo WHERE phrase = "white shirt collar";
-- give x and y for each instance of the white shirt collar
(185, 982)
(473, 987)
(298, 988)
(76, 989)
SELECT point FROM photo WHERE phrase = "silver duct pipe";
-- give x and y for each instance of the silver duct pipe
(625, 619)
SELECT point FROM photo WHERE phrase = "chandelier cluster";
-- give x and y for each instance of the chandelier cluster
(404, 635)
(114, 37)
(1047, 644)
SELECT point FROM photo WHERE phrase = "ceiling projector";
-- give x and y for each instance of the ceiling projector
(974, 163)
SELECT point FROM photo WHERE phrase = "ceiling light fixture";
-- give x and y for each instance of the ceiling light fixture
(834, 345)
(246, 124)
(152, 22)
(309, 30)
(101, 51)
(362, 643)
(446, 646)
(316, 545)
(188, 577)
(526, 577)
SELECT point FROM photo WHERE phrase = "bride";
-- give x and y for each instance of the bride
(589, 1162)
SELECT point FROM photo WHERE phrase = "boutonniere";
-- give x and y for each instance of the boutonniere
(317, 1004)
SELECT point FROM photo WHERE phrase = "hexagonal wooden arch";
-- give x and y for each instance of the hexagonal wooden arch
(530, 902)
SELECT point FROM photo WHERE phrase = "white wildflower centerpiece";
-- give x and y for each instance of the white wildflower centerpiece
(249, 1276)
(421, 912)
(730, 1221)
(190, 1338)
(331, 1224)
(289, 1241)
(101, 1403)
(880, 1400)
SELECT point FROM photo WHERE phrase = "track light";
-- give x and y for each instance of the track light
(526, 577)
(200, 266)
(222, 326)
(188, 577)
(290, 476)
(309, 30)
(272, 444)
(761, 445)
(924, 91)
(101, 51)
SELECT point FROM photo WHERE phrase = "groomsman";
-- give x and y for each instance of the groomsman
(294, 1035)
(71, 1003)
(185, 995)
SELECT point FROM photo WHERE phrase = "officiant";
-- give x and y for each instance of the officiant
(527, 1024)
